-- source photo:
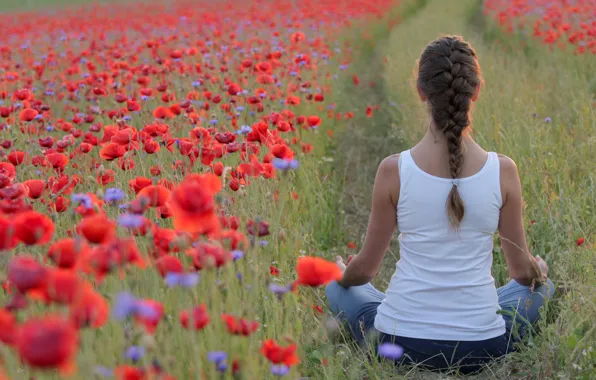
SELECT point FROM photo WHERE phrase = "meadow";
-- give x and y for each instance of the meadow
(114, 119)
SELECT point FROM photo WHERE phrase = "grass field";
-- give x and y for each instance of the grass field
(537, 107)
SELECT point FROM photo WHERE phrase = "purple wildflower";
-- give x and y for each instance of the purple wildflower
(135, 353)
(131, 220)
(280, 164)
(390, 351)
(125, 306)
(222, 366)
(244, 130)
(280, 369)
(83, 199)
(103, 371)
(237, 255)
(279, 290)
(184, 280)
(217, 356)
(547, 120)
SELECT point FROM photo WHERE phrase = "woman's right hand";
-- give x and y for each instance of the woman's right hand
(543, 267)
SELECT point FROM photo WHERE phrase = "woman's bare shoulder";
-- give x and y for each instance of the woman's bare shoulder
(389, 166)
(508, 166)
(388, 174)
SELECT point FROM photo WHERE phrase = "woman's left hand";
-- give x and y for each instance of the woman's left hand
(340, 263)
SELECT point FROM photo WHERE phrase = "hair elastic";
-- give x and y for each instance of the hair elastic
(455, 182)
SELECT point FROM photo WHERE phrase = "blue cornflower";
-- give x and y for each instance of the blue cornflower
(280, 369)
(134, 353)
(285, 164)
(184, 280)
(113, 194)
(390, 351)
(103, 371)
(244, 130)
(83, 199)
(217, 356)
(237, 255)
(125, 306)
(131, 220)
(279, 290)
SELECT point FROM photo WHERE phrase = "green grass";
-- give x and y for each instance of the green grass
(334, 184)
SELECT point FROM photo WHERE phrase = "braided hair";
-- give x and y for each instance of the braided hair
(449, 76)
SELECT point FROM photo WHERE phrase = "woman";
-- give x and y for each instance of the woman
(447, 196)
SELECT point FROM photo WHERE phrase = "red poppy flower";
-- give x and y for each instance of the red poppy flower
(162, 112)
(239, 326)
(90, 309)
(168, 264)
(277, 354)
(61, 286)
(206, 255)
(17, 157)
(97, 228)
(139, 183)
(314, 271)
(192, 204)
(273, 271)
(28, 114)
(156, 195)
(153, 312)
(65, 252)
(26, 273)
(313, 121)
(47, 342)
(8, 170)
(112, 151)
(33, 228)
(57, 160)
(196, 318)
(8, 327)
(36, 188)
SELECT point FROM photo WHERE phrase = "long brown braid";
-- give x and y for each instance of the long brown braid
(448, 76)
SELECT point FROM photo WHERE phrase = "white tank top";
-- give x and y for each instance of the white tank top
(442, 288)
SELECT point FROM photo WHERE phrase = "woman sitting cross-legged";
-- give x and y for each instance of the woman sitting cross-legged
(447, 197)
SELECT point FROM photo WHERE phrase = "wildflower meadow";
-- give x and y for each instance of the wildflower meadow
(176, 178)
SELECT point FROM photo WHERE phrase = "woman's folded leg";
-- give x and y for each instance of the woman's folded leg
(356, 306)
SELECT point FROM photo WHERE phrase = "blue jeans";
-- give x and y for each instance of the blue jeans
(357, 308)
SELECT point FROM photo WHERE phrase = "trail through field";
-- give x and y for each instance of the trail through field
(523, 94)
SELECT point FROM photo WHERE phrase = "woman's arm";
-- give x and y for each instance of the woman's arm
(381, 226)
(523, 267)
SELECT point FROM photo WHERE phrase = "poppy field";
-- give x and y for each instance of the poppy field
(176, 178)
(570, 26)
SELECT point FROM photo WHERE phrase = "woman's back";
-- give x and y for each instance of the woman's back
(442, 287)
(446, 197)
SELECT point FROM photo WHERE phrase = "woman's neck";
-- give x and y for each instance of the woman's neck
(435, 138)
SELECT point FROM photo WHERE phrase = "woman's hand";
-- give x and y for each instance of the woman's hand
(543, 267)
(340, 263)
